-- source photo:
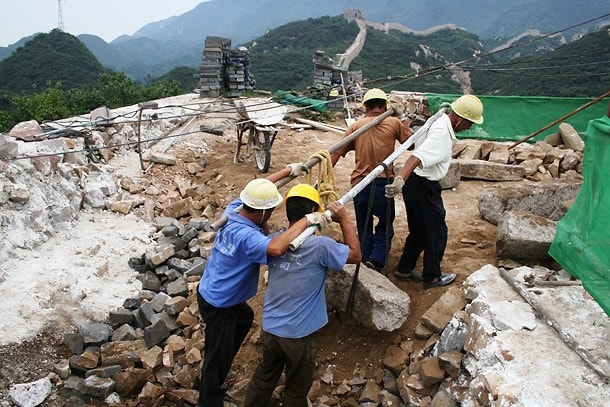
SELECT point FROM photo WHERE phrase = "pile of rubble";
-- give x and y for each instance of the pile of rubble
(150, 349)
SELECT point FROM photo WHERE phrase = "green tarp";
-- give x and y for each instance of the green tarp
(286, 97)
(512, 118)
(582, 239)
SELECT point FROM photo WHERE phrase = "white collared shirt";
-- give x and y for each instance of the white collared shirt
(434, 150)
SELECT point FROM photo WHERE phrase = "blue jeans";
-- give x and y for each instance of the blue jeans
(373, 243)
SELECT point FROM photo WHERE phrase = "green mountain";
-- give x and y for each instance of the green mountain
(107, 54)
(392, 59)
(53, 58)
(243, 20)
(579, 68)
(282, 58)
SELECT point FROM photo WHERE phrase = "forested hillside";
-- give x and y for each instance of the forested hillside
(50, 59)
(51, 66)
(580, 68)
(54, 76)
(282, 59)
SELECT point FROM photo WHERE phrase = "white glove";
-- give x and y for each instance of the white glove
(395, 188)
(298, 169)
(319, 219)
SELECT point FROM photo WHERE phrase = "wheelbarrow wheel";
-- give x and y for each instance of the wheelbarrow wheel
(262, 150)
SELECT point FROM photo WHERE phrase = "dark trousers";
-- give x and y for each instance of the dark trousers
(427, 227)
(225, 330)
(294, 356)
(374, 244)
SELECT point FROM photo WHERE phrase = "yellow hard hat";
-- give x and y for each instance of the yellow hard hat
(333, 93)
(469, 107)
(375, 93)
(305, 191)
(261, 193)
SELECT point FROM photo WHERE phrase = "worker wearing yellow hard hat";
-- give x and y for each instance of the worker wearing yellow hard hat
(374, 221)
(419, 183)
(294, 308)
(469, 107)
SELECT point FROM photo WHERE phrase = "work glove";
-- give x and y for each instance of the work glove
(395, 188)
(319, 219)
(298, 169)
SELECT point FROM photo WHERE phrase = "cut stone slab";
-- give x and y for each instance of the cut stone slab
(540, 198)
(440, 313)
(485, 170)
(524, 236)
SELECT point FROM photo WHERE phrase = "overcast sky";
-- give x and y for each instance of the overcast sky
(107, 19)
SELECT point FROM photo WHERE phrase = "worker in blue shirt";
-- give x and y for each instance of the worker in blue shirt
(295, 303)
(231, 275)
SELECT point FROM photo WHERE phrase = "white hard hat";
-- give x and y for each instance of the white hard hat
(261, 193)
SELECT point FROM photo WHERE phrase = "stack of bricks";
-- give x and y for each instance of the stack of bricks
(237, 71)
(224, 70)
(212, 78)
(328, 75)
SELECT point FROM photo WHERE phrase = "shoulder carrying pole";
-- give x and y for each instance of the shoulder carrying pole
(356, 189)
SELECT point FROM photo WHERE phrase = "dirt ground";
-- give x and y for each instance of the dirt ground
(351, 349)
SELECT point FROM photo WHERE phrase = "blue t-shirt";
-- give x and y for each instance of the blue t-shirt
(295, 301)
(231, 274)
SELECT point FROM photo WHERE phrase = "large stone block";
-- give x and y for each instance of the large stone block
(378, 303)
(524, 236)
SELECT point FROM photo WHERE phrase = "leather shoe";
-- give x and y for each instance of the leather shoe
(440, 281)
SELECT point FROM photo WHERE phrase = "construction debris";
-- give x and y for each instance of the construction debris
(149, 349)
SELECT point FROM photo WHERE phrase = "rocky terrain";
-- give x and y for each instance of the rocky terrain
(102, 248)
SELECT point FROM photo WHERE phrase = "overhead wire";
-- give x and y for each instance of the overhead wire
(393, 80)
(75, 124)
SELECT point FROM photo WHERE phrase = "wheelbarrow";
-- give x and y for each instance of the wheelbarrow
(259, 117)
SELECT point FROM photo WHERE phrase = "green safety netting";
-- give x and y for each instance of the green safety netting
(582, 238)
(512, 118)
